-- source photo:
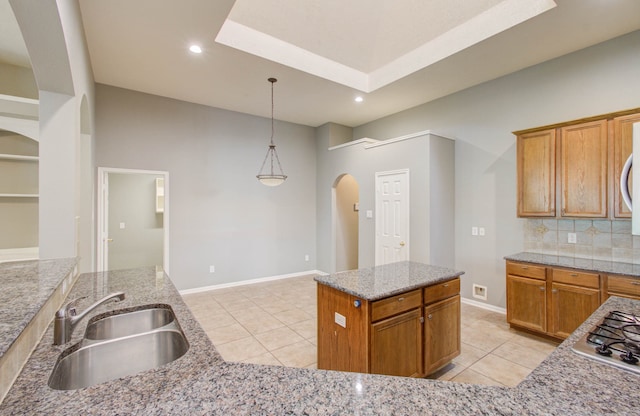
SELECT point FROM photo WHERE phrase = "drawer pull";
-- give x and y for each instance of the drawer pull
(554, 290)
(400, 299)
(574, 274)
(446, 285)
(635, 283)
(525, 267)
(541, 288)
(430, 316)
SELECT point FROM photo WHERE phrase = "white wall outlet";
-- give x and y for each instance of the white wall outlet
(474, 230)
(306, 257)
(479, 292)
(369, 213)
(122, 226)
(212, 269)
(481, 231)
(340, 320)
(571, 238)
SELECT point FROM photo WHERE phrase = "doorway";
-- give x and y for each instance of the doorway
(346, 222)
(392, 216)
(133, 218)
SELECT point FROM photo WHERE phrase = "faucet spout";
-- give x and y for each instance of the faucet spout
(66, 317)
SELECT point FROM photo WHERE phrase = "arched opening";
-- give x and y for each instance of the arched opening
(346, 210)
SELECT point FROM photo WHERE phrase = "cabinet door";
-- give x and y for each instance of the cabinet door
(622, 148)
(537, 174)
(570, 307)
(442, 333)
(584, 170)
(396, 345)
(527, 302)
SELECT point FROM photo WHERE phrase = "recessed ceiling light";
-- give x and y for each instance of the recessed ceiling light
(359, 99)
(195, 49)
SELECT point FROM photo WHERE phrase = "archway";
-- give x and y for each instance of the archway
(346, 222)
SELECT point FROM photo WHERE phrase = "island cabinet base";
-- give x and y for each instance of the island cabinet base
(389, 336)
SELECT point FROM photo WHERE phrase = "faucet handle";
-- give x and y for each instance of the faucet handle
(69, 309)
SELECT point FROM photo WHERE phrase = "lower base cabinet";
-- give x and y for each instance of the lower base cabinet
(441, 333)
(412, 334)
(549, 300)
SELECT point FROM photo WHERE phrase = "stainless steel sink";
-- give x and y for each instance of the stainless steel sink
(126, 322)
(94, 362)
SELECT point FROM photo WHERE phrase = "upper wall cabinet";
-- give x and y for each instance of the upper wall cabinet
(572, 169)
(622, 130)
(537, 174)
(583, 177)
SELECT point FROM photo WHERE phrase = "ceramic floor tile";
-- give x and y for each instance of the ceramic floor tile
(535, 343)
(225, 334)
(469, 376)
(516, 353)
(468, 355)
(292, 316)
(301, 354)
(278, 338)
(260, 324)
(215, 321)
(501, 370)
(447, 372)
(264, 359)
(241, 350)
(307, 329)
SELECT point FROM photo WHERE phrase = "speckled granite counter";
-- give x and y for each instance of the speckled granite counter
(202, 383)
(25, 286)
(391, 279)
(612, 267)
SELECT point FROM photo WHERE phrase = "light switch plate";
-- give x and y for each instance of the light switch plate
(369, 213)
(122, 226)
(571, 238)
(341, 320)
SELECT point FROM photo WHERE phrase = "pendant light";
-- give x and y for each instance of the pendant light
(271, 177)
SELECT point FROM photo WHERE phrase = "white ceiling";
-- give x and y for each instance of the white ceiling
(326, 52)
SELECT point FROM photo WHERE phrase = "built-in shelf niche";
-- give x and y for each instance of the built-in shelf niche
(159, 195)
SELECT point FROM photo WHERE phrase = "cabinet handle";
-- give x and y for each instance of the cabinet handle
(400, 299)
(542, 288)
(574, 274)
(421, 319)
(554, 290)
(430, 316)
(525, 267)
(635, 283)
(446, 285)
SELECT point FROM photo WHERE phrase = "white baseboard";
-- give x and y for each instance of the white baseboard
(17, 254)
(484, 306)
(249, 282)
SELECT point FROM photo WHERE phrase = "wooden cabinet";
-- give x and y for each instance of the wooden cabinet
(526, 296)
(583, 176)
(389, 336)
(396, 345)
(537, 174)
(572, 169)
(575, 296)
(551, 301)
(623, 286)
(622, 131)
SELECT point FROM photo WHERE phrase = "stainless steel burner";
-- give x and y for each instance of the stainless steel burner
(615, 341)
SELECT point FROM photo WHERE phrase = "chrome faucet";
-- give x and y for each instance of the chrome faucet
(66, 317)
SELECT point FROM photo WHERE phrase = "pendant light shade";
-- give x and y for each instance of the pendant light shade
(271, 173)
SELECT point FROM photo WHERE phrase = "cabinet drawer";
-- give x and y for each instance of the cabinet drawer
(624, 285)
(391, 306)
(441, 290)
(576, 278)
(526, 270)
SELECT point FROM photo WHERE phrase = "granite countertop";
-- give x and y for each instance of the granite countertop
(603, 266)
(25, 286)
(380, 282)
(202, 383)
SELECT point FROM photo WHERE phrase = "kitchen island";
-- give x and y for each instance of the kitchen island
(400, 319)
(202, 383)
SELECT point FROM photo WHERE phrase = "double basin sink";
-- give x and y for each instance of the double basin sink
(118, 344)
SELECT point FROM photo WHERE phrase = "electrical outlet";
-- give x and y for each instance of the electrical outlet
(212, 269)
(481, 231)
(571, 237)
(474, 230)
(306, 257)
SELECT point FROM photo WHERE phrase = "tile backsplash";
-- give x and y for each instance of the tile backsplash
(595, 239)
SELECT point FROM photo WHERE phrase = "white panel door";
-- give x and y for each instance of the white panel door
(392, 216)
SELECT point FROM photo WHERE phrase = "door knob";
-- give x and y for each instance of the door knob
(109, 240)
(401, 243)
